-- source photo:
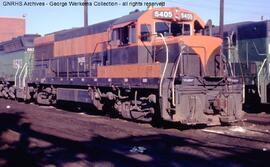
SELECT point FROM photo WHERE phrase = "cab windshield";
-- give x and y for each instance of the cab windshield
(172, 29)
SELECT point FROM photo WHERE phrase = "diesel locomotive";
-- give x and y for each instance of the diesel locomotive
(158, 64)
(248, 56)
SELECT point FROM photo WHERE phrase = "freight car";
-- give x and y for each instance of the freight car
(149, 65)
(16, 56)
(248, 53)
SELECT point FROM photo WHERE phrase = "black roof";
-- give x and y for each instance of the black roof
(230, 27)
(133, 16)
(18, 43)
(27, 40)
(77, 32)
(95, 28)
(265, 22)
(234, 27)
(254, 30)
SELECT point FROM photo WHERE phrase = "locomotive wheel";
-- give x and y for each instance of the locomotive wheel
(42, 98)
(11, 93)
(145, 116)
(5, 93)
(109, 109)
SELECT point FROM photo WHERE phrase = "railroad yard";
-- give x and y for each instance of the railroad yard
(33, 135)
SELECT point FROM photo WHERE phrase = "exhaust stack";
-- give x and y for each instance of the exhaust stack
(85, 13)
(221, 19)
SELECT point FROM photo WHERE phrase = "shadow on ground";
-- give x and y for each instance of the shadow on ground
(257, 108)
(20, 145)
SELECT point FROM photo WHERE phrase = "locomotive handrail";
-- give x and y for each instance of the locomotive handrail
(235, 49)
(90, 58)
(24, 66)
(176, 67)
(97, 46)
(229, 55)
(17, 71)
(24, 76)
(259, 73)
(174, 74)
(148, 51)
(166, 64)
(260, 54)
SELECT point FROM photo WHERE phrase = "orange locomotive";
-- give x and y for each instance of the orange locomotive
(150, 65)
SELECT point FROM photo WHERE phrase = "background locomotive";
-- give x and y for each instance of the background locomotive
(16, 57)
(148, 65)
(247, 49)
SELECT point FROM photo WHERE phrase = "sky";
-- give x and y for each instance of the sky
(47, 19)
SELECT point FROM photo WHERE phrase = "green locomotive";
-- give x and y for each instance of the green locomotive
(247, 48)
(16, 59)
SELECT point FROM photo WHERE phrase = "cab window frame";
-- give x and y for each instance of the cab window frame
(125, 35)
(163, 23)
(133, 33)
(145, 32)
(185, 29)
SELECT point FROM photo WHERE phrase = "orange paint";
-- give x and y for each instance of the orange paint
(44, 40)
(202, 45)
(129, 71)
(81, 45)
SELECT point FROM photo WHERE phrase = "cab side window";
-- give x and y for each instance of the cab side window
(187, 30)
(120, 36)
(176, 29)
(124, 35)
(162, 28)
(124, 38)
(145, 32)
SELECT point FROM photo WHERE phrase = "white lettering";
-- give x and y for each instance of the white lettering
(186, 16)
(163, 14)
(17, 63)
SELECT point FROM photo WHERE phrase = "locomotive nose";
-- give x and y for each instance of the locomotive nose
(204, 46)
(209, 101)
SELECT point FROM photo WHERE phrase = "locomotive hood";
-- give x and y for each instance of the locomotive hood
(204, 46)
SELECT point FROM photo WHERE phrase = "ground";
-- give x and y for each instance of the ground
(32, 135)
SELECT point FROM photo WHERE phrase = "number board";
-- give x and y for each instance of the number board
(81, 60)
(186, 16)
(163, 14)
(30, 50)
